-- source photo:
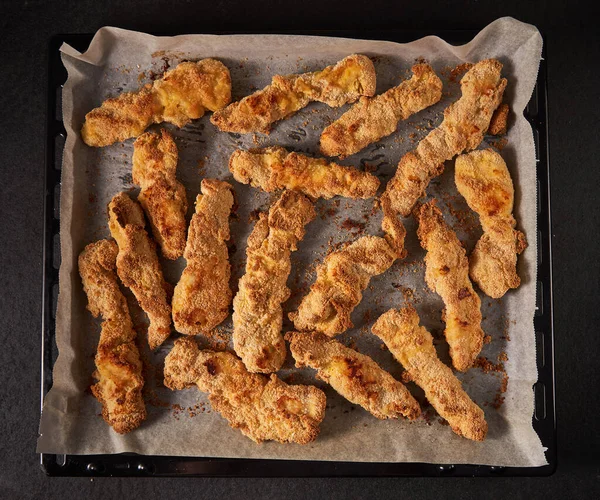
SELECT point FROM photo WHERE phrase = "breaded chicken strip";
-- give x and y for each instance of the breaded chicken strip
(138, 266)
(499, 121)
(335, 86)
(412, 346)
(373, 118)
(181, 95)
(118, 365)
(465, 123)
(484, 180)
(202, 297)
(447, 274)
(353, 375)
(341, 279)
(257, 312)
(162, 197)
(261, 408)
(275, 168)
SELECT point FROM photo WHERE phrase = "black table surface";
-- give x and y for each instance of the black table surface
(574, 113)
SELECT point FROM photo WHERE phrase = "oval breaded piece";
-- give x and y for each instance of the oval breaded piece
(262, 408)
(412, 346)
(353, 375)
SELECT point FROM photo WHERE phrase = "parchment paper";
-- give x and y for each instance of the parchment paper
(182, 423)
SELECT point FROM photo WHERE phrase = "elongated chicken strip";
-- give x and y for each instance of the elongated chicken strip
(353, 375)
(275, 168)
(447, 274)
(118, 365)
(341, 279)
(262, 408)
(257, 312)
(162, 197)
(484, 180)
(181, 95)
(335, 86)
(202, 297)
(138, 266)
(373, 118)
(465, 123)
(412, 346)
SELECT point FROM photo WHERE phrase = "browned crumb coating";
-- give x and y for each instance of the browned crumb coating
(181, 95)
(341, 279)
(353, 375)
(484, 180)
(464, 125)
(447, 274)
(118, 365)
(162, 197)
(138, 266)
(373, 118)
(335, 85)
(202, 297)
(499, 121)
(275, 168)
(257, 312)
(412, 346)
(262, 408)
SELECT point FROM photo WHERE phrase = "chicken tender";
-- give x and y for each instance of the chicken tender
(181, 95)
(138, 266)
(335, 86)
(275, 168)
(373, 118)
(353, 375)
(412, 346)
(465, 123)
(118, 365)
(162, 197)
(484, 180)
(447, 274)
(499, 121)
(261, 408)
(202, 297)
(257, 312)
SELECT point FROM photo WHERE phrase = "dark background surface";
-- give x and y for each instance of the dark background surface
(573, 46)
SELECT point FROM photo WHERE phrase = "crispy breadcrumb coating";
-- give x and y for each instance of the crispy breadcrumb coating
(447, 274)
(202, 297)
(261, 408)
(353, 375)
(118, 365)
(181, 95)
(275, 168)
(373, 118)
(335, 86)
(138, 266)
(412, 346)
(484, 180)
(499, 121)
(257, 312)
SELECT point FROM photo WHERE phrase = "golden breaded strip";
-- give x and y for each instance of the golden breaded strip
(353, 375)
(465, 123)
(257, 312)
(261, 408)
(138, 266)
(341, 279)
(162, 197)
(412, 346)
(181, 95)
(373, 118)
(275, 168)
(118, 365)
(484, 180)
(202, 297)
(447, 274)
(335, 85)
(499, 121)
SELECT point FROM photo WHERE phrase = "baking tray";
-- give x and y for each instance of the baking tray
(131, 464)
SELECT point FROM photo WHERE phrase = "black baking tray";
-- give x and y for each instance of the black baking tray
(131, 464)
